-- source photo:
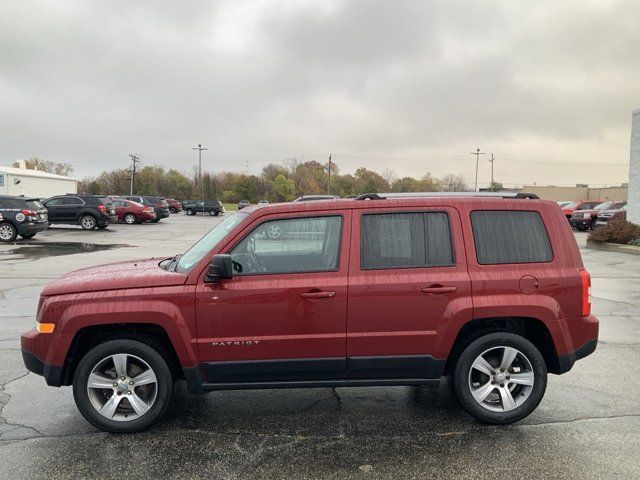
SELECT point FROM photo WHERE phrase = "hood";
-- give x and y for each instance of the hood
(115, 276)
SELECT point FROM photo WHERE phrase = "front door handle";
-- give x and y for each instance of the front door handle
(439, 289)
(325, 294)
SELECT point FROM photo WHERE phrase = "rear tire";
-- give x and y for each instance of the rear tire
(88, 222)
(119, 406)
(8, 232)
(493, 389)
(189, 212)
(130, 218)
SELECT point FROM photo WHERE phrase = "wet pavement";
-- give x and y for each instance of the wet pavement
(587, 426)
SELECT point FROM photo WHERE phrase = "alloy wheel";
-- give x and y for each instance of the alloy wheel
(88, 222)
(130, 218)
(7, 232)
(501, 379)
(122, 387)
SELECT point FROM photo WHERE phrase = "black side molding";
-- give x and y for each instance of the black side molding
(565, 362)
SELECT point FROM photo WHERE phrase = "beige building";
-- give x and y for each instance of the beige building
(579, 192)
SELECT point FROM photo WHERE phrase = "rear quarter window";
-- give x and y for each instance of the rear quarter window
(503, 236)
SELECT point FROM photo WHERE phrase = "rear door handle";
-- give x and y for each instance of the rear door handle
(439, 289)
(325, 294)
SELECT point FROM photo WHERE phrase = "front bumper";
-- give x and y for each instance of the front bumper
(44, 354)
(580, 222)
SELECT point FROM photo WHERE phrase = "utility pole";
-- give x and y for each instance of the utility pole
(329, 181)
(492, 183)
(477, 153)
(200, 148)
(134, 162)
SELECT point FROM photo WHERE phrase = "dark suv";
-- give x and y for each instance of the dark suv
(21, 216)
(212, 207)
(88, 211)
(160, 206)
(489, 291)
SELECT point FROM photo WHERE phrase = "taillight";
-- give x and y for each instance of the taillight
(29, 213)
(586, 292)
(102, 208)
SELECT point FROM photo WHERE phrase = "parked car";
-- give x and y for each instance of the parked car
(88, 211)
(174, 205)
(243, 203)
(263, 202)
(212, 207)
(132, 212)
(579, 206)
(160, 206)
(585, 219)
(21, 216)
(309, 198)
(489, 291)
(563, 204)
(605, 216)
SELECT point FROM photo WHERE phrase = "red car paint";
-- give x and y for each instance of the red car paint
(142, 213)
(368, 317)
(579, 205)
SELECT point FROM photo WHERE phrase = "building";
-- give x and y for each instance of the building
(34, 183)
(579, 192)
(633, 209)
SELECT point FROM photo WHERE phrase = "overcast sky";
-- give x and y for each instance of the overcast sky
(547, 86)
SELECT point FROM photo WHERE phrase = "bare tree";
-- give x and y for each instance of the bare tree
(454, 183)
(390, 176)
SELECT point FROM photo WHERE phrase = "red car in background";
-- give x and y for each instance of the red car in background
(133, 212)
(578, 206)
(174, 205)
(586, 219)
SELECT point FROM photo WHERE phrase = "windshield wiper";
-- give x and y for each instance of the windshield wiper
(173, 263)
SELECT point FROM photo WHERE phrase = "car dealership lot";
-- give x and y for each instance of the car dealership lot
(587, 425)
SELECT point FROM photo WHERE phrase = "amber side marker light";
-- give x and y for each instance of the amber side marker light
(45, 327)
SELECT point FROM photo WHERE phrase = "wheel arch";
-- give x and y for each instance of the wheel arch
(530, 328)
(89, 337)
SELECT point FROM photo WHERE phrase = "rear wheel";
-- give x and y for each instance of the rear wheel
(500, 378)
(190, 212)
(122, 386)
(88, 222)
(8, 232)
(173, 210)
(130, 218)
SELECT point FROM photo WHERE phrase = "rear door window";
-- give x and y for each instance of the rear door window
(502, 236)
(405, 240)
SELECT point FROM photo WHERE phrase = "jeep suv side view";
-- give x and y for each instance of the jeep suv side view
(212, 207)
(489, 291)
(88, 211)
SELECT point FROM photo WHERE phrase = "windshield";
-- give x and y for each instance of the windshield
(604, 206)
(206, 243)
(570, 205)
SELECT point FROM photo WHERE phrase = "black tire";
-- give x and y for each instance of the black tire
(173, 210)
(461, 379)
(88, 222)
(189, 211)
(27, 236)
(153, 357)
(216, 213)
(8, 232)
(130, 218)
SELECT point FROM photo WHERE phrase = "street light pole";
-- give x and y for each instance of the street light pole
(477, 153)
(200, 148)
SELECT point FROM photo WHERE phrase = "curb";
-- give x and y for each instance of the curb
(613, 247)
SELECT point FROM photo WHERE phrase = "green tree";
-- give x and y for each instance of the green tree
(283, 189)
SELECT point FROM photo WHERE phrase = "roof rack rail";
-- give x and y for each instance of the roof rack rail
(384, 196)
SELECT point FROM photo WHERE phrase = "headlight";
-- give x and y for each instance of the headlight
(586, 215)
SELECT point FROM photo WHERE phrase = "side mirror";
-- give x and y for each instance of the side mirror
(220, 268)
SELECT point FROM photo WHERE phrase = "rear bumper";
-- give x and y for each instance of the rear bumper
(32, 227)
(565, 362)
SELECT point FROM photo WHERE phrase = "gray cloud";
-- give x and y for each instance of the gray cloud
(423, 83)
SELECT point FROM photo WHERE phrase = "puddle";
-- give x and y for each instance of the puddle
(53, 249)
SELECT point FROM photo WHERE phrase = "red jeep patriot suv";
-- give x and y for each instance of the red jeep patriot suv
(397, 290)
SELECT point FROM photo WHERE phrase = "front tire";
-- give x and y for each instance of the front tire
(130, 218)
(88, 222)
(500, 378)
(123, 386)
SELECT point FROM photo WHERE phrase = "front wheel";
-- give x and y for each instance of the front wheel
(130, 218)
(500, 378)
(122, 386)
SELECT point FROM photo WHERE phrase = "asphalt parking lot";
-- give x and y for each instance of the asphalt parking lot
(587, 426)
